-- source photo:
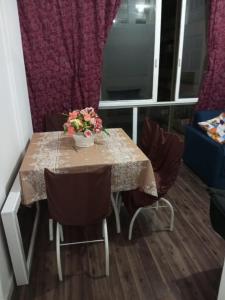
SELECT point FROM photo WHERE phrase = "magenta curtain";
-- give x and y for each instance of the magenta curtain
(63, 42)
(212, 92)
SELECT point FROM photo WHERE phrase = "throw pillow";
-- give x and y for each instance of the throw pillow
(215, 128)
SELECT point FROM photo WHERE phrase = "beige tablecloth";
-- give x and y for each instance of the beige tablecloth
(131, 169)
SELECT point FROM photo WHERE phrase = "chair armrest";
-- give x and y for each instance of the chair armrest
(204, 138)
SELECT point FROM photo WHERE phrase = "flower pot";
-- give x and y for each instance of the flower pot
(82, 141)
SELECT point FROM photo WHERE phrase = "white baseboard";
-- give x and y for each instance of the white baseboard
(11, 288)
(7, 292)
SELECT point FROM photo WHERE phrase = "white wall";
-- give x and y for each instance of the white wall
(15, 119)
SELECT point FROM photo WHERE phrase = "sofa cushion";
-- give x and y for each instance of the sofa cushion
(215, 128)
(204, 115)
(205, 157)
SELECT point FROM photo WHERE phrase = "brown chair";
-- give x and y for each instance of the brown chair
(54, 122)
(164, 150)
(79, 199)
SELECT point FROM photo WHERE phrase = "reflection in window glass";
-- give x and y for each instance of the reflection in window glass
(173, 118)
(129, 52)
(180, 117)
(117, 118)
(194, 48)
(157, 114)
(170, 23)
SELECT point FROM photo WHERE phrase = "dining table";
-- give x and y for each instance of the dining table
(56, 151)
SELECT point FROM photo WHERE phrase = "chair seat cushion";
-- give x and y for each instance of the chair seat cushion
(135, 199)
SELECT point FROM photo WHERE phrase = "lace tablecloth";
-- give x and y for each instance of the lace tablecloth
(131, 169)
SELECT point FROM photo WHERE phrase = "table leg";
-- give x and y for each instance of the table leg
(116, 212)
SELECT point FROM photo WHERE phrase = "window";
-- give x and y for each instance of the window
(118, 118)
(128, 69)
(170, 24)
(192, 48)
(133, 75)
(172, 118)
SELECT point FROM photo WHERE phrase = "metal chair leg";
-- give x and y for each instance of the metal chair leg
(118, 201)
(171, 213)
(61, 233)
(58, 258)
(105, 234)
(132, 222)
(50, 228)
(221, 293)
(116, 214)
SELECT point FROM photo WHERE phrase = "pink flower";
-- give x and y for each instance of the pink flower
(73, 114)
(93, 121)
(98, 123)
(85, 120)
(90, 110)
(83, 111)
(87, 117)
(70, 130)
(87, 133)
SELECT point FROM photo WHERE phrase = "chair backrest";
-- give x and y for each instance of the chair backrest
(164, 149)
(79, 199)
(171, 151)
(152, 141)
(150, 134)
(54, 122)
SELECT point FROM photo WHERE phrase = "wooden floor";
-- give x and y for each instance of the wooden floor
(184, 264)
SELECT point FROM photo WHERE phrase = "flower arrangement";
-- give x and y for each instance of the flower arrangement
(85, 121)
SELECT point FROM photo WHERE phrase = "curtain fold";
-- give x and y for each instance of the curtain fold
(212, 91)
(63, 45)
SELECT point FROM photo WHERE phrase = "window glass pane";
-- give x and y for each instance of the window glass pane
(117, 118)
(180, 117)
(173, 118)
(170, 23)
(129, 52)
(194, 48)
(157, 114)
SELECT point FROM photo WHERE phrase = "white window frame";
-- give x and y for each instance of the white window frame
(143, 102)
(158, 13)
(135, 110)
(134, 104)
(180, 57)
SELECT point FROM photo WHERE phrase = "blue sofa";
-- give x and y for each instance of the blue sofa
(203, 155)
